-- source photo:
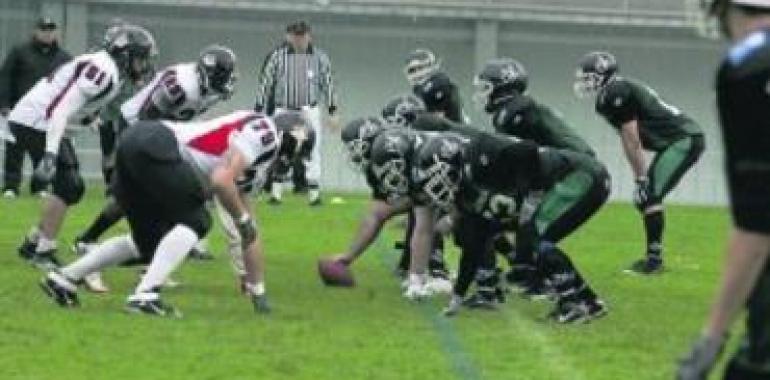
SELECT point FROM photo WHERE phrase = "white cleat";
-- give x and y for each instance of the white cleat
(94, 283)
(438, 285)
(417, 292)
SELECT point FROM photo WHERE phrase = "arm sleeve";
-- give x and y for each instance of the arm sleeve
(6, 78)
(327, 83)
(266, 81)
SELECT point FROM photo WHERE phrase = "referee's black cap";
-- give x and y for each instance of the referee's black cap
(298, 27)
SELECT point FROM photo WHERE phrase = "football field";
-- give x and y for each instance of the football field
(367, 332)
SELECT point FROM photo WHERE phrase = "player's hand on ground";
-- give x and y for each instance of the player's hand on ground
(46, 169)
(697, 364)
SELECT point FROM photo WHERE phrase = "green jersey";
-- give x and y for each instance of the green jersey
(660, 124)
(523, 117)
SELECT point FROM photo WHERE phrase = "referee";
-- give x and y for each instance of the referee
(297, 76)
(744, 110)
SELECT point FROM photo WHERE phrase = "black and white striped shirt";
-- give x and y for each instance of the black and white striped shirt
(292, 80)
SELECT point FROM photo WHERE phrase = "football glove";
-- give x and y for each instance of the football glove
(247, 229)
(697, 364)
(642, 193)
(46, 169)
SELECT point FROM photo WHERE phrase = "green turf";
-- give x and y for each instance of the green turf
(368, 332)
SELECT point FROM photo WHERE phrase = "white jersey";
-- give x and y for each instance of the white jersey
(78, 90)
(173, 94)
(205, 143)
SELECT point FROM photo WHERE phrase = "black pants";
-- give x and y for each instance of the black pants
(156, 187)
(28, 141)
(475, 236)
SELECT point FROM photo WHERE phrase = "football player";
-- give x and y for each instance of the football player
(179, 92)
(742, 98)
(435, 172)
(501, 87)
(189, 161)
(75, 92)
(357, 136)
(402, 111)
(432, 86)
(644, 122)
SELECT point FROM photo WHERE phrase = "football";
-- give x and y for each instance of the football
(335, 273)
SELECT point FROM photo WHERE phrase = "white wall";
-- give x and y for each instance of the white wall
(367, 54)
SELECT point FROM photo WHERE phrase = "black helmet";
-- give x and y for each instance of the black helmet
(402, 110)
(358, 135)
(216, 70)
(594, 70)
(500, 78)
(439, 169)
(420, 65)
(132, 47)
(391, 157)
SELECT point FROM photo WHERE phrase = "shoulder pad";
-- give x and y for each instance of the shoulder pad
(616, 94)
(516, 112)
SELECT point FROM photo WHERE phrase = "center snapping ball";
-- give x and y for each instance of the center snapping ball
(335, 273)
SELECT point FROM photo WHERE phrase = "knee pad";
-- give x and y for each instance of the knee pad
(69, 186)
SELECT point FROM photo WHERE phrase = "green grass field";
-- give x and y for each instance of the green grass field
(368, 332)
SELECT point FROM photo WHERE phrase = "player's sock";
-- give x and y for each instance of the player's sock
(653, 226)
(113, 251)
(275, 191)
(171, 251)
(562, 274)
(45, 244)
(106, 219)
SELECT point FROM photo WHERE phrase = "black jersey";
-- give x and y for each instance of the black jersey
(743, 95)
(660, 124)
(523, 117)
(440, 95)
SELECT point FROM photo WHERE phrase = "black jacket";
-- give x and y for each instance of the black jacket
(24, 66)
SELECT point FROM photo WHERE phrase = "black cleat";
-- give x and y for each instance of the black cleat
(273, 201)
(646, 266)
(578, 312)
(538, 290)
(46, 261)
(316, 202)
(200, 254)
(151, 304)
(261, 306)
(481, 300)
(519, 277)
(60, 289)
(27, 249)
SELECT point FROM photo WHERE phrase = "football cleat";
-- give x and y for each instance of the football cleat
(46, 261)
(439, 285)
(538, 290)
(151, 304)
(27, 249)
(260, 303)
(200, 254)
(519, 277)
(60, 289)
(578, 312)
(455, 304)
(483, 300)
(417, 292)
(646, 266)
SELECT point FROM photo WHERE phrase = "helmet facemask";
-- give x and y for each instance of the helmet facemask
(587, 83)
(417, 71)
